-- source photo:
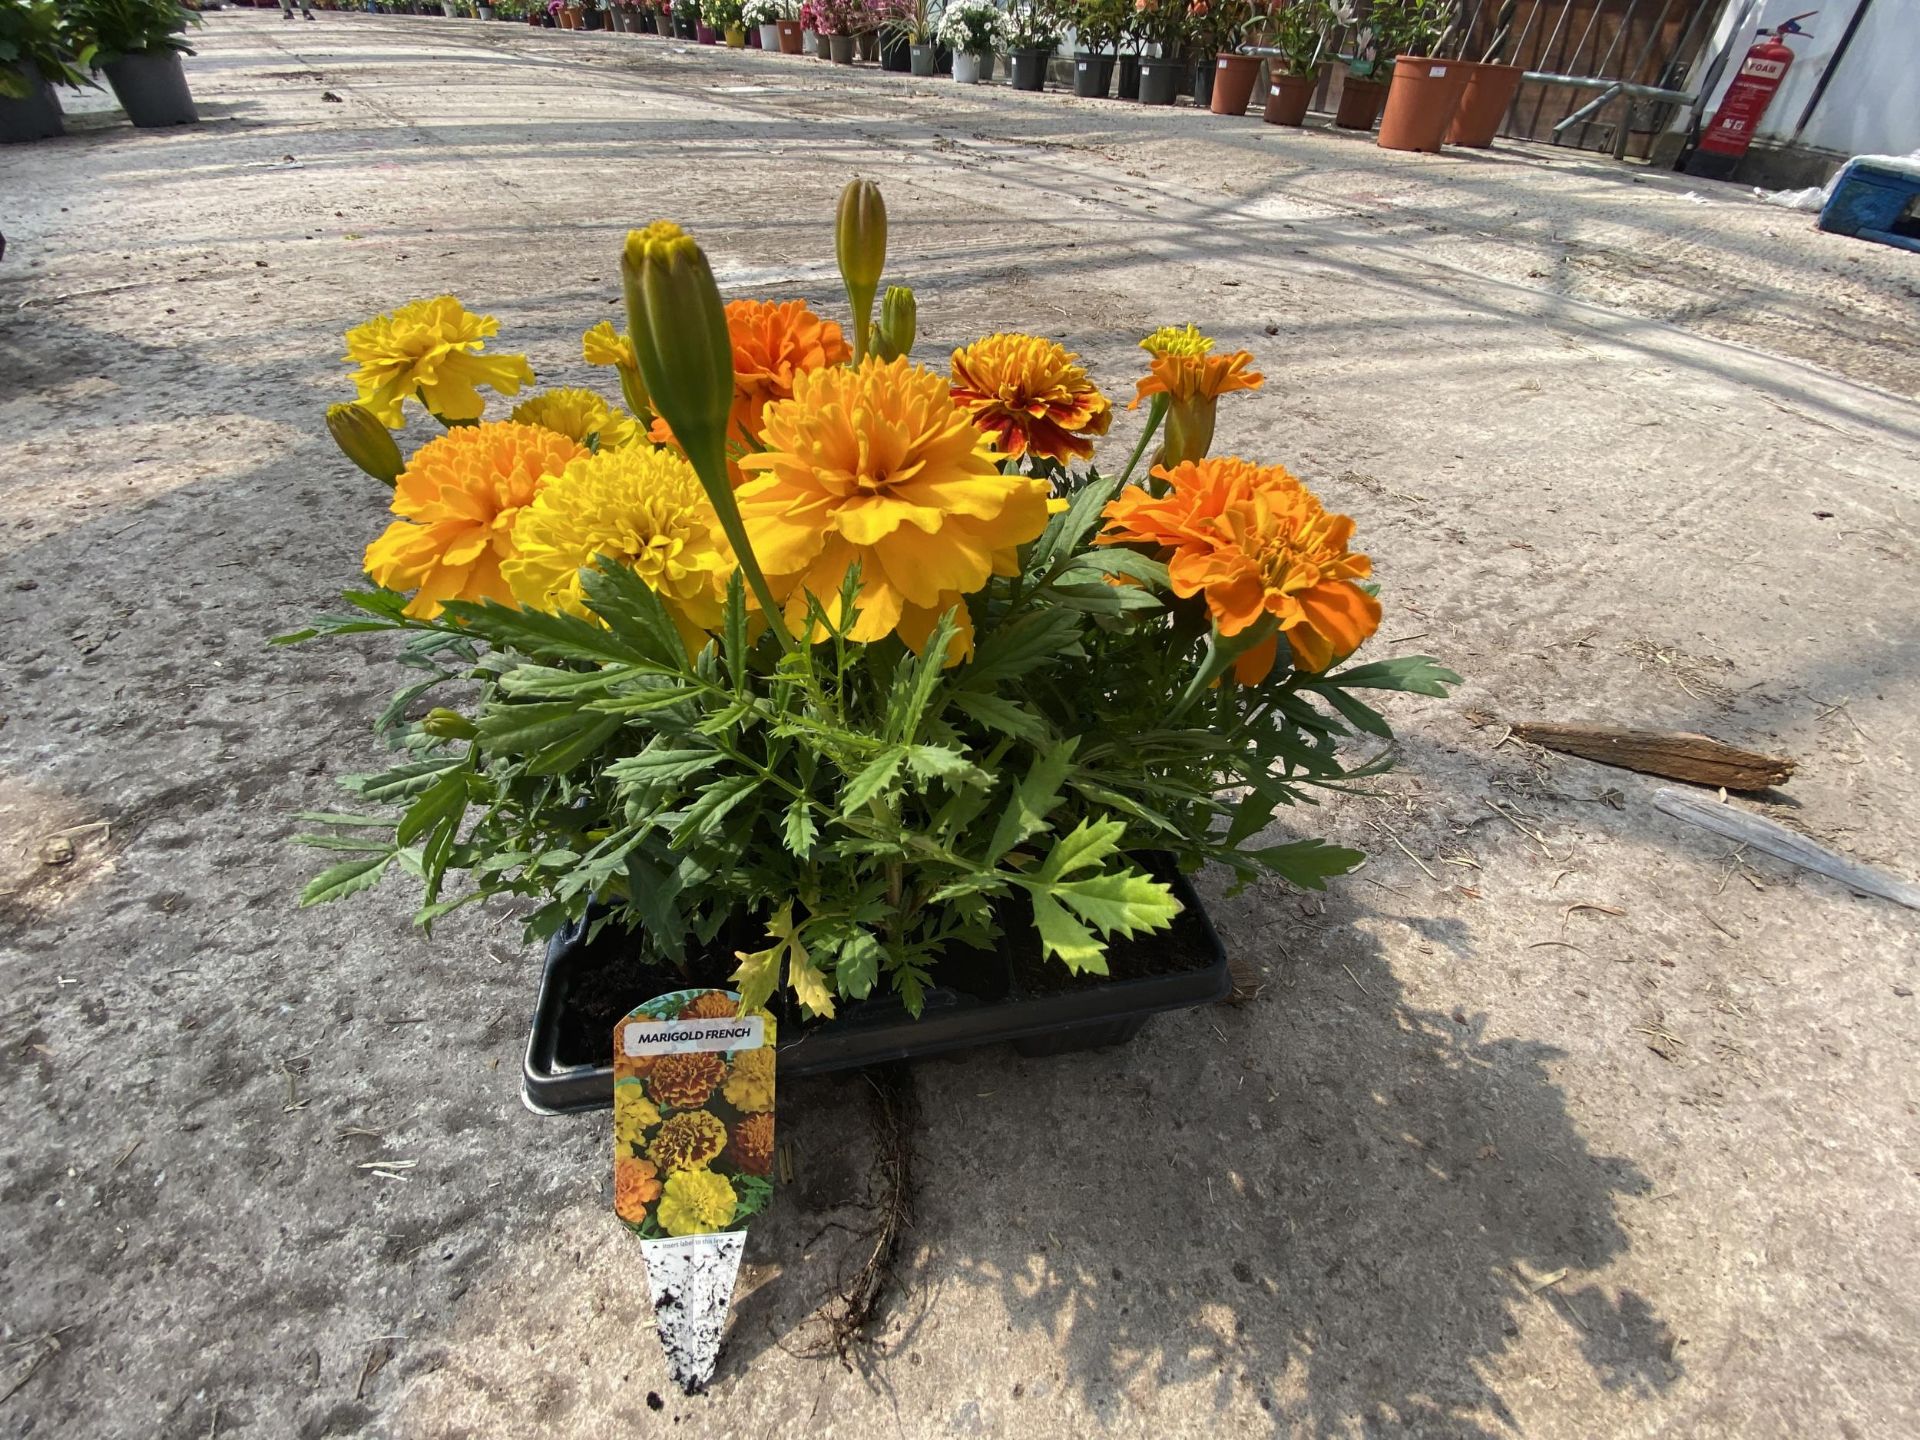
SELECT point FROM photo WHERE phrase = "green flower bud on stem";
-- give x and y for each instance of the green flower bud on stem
(679, 331)
(445, 724)
(860, 241)
(899, 321)
(365, 441)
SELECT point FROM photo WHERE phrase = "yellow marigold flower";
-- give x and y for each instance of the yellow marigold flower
(750, 1086)
(641, 506)
(1176, 340)
(772, 343)
(1254, 541)
(633, 1116)
(1029, 395)
(696, 1202)
(431, 350)
(579, 415)
(1193, 382)
(458, 500)
(876, 465)
(688, 1140)
(604, 345)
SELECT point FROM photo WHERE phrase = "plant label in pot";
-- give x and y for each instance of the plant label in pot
(692, 1158)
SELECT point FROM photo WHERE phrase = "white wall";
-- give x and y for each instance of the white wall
(1872, 105)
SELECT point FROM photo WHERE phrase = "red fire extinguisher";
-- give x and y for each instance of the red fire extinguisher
(1746, 100)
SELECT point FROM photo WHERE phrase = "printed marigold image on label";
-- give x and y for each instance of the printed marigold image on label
(692, 1114)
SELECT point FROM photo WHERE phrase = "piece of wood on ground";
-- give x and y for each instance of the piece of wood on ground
(1671, 754)
(1785, 844)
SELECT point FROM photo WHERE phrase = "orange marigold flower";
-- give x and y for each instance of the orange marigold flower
(1193, 382)
(714, 1005)
(752, 1144)
(1254, 542)
(688, 1141)
(878, 466)
(457, 501)
(1030, 396)
(636, 1185)
(681, 1082)
(772, 343)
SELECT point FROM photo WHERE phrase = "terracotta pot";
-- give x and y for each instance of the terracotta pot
(1484, 103)
(1420, 103)
(1360, 102)
(1234, 77)
(791, 35)
(1287, 99)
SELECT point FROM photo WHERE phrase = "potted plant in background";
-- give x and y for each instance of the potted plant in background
(1234, 24)
(1098, 26)
(139, 44)
(1133, 40)
(863, 23)
(1363, 88)
(792, 33)
(972, 30)
(835, 24)
(1164, 25)
(38, 50)
(1035, 27)
(1424, 90)
(593, 15)
(816, 27)
(764, 17)
(907, 43)
(1491, 86)
(724, 17)
(1296, 30)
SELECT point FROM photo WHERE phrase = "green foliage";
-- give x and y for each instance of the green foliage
(1099, 24)
(865, 806)
(118, 28)
(1298, 30)
(38, 41)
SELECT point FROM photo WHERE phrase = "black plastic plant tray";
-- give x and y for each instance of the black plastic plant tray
(994, 1010)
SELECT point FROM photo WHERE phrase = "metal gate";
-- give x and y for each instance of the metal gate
(1643, 42)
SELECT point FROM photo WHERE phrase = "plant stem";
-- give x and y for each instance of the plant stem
(1156, 412)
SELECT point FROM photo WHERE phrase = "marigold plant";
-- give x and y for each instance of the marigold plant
(846, 659)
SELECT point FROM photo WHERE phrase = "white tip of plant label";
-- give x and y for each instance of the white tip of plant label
(691, 1279)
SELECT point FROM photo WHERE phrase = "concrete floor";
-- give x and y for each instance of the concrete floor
(1477, 1161)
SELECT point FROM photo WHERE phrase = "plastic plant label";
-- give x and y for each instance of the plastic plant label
(692, 1157)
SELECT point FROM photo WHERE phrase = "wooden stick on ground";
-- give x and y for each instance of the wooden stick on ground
(1672, 754)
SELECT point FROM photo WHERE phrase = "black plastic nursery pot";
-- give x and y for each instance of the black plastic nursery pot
(983, 998)
(36, 116)
(896, 55)
(152, 88)
(1127, 86)
(1161, 80)
(1030, 69)
(1203, 83)
(1092, 75)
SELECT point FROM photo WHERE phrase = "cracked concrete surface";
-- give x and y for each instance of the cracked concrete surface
(1476, 1162)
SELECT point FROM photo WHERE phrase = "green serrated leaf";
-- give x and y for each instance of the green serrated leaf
(445, 799)
(556, 636)
(1124, 903)
(1085, 846)
(662, 765)
(547, 682)
(1065, 938)
(857, 967)
(1102, 599)
(914, 682)
(618, 595)
(757, 976)
(1032, 799)
(1413, 674)
(399, 782)
(356, 844)
(733, 633)
(1065, 533)
(1020, 645)
(877, 775)
(703, 817)
(345, 879)
(800, 831)
(1116, 561)
(937, 762)
(1003, 716)
(337, 817)
(1307, 863)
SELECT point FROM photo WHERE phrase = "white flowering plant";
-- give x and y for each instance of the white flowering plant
(975, 27)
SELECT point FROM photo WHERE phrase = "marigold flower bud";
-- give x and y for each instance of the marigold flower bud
(860, 241)
(365, 441)
(899, 323)
(445, 724)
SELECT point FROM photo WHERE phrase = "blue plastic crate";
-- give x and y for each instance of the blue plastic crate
(1875, 201)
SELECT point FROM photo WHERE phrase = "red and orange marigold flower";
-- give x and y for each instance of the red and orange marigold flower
(1030, 396)
(1254, 542)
